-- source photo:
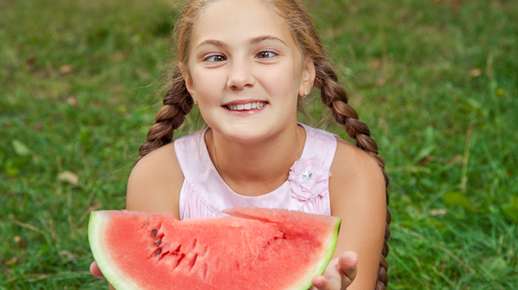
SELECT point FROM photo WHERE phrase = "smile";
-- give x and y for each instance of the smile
(247, 108)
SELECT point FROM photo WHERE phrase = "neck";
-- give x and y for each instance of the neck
(259, 168)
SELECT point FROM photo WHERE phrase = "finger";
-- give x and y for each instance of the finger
(348, 265)
(331, 280)
(320, 283)
(94, 269)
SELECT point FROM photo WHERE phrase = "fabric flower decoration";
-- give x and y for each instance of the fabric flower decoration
(308, 179)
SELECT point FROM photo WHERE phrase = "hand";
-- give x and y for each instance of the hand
(95, 271)
(339, 274)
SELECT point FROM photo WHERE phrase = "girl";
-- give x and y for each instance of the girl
(247, 64)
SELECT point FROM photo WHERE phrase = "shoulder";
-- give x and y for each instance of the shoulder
(155, 182)
(356, 184)
(353, 168)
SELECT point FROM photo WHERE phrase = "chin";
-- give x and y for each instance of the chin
(248, 136)
(246, 133)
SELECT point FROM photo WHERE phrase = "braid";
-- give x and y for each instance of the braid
(176, 104)
(334, 96)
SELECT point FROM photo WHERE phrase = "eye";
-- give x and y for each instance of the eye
(267, 54)
(214, 58)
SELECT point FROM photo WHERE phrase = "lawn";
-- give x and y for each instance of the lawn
(437, 82)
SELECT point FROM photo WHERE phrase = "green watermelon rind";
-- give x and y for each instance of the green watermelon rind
(96, 227)
(307, 283)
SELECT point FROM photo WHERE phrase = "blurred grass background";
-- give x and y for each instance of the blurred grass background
(80, 82)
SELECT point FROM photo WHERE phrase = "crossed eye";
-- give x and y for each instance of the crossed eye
(221, 57)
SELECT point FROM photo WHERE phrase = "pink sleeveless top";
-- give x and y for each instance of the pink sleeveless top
(204, 193)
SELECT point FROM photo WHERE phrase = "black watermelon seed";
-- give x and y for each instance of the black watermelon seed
(157, 251)
(158, 242)
(154, 233)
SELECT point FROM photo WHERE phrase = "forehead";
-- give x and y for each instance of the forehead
(237, 21)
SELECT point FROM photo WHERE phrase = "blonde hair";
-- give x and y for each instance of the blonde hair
(178, 102)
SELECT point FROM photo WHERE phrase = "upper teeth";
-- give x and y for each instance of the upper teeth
(248, 106)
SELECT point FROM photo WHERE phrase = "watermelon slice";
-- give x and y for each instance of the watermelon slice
(251, 248)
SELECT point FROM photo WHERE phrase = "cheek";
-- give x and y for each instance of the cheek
(207, 84)
(281, 81)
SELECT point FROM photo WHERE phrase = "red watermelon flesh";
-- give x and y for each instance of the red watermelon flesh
(251, 248)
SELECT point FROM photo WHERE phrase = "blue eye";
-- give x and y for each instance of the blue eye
(215, 58)
(265, 54)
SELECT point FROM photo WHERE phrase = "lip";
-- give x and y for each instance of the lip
(244, 101)
(247, 112)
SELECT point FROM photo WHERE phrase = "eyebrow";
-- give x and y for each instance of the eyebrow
(252, 41)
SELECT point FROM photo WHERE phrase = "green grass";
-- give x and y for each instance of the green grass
(437, 82)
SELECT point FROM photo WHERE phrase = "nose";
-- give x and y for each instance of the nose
(240, 75)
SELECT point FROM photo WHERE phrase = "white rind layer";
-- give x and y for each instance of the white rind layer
(96, 228)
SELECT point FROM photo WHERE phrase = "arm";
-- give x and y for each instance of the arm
(155, 182)
(357, 193)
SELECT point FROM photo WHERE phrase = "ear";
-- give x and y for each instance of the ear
(308, 77)
(188, 80)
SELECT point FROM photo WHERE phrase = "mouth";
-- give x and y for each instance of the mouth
(245, 107)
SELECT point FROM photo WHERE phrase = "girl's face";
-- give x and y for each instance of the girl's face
(241, 51)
